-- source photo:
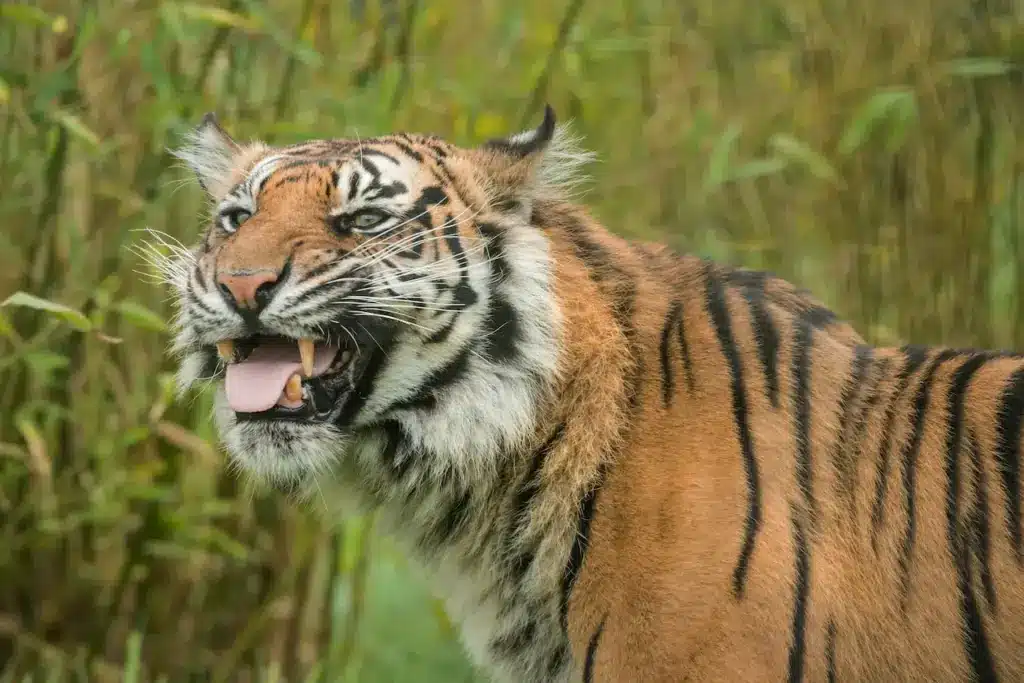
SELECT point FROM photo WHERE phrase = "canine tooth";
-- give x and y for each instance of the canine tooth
(226, 350)
(346, 356)
(307, 351)
(293, 390)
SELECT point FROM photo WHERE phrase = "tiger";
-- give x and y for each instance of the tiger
(611, 461)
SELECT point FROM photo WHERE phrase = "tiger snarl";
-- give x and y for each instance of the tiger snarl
(613, 462)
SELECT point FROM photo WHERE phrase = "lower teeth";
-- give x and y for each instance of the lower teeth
(293, 390)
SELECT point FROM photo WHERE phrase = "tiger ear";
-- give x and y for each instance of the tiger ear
(510, 166)
(210, 152)
(528, 144)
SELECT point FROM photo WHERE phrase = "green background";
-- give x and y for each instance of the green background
(871, 151)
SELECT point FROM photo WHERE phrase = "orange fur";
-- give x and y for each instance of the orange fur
(659, 574)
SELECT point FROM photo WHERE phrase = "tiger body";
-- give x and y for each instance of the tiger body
(614, 463)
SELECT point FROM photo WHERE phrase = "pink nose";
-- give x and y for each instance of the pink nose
(248, 290)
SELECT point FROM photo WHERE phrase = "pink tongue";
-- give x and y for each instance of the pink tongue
(256, 384)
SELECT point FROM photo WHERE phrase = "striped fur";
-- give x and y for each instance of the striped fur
(613, 462)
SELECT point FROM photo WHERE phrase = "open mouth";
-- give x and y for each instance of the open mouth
(274, 377)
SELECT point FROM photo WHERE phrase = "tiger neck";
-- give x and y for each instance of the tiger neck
(501, 531)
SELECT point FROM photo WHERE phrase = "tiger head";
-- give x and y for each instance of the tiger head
(344, 288)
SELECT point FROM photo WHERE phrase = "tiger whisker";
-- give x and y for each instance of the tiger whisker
(384, 233)
(401, 304)
(417, 236)
(397, 301)
(421, 239)
(382, 316)
(441, 267)
(389, 250)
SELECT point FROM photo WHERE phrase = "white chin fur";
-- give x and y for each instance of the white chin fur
(279, 452)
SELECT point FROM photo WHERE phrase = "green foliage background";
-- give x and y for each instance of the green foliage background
(872, 151)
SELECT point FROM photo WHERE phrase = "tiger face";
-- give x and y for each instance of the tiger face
(343, 288)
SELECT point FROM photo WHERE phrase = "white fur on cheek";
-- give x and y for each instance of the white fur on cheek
(493, 407)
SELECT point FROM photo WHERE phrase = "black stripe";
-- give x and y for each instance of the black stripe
(803, 340)
(594, 257)
(256, 191)
(558, 660)
(512, 643)
(857, 445)
(200, 277)
(393, 437)
(842, 455)
(830, 652)
(958, 388)
(719, 313)
(452, 520)
(325, 294)
(619, 287)
(580, 544)
(1011, 412)
(767, 339)
(913, 357)
(442, 172)
(976, 649)
(464, 293)
(392, 189)
(374, 172)
(426, 395)
(450, 230)
(614, 281)
(530, 484)
(528, 489)
(441, 335)
(818, 317)
(910, 454)
(588, 663)
(289, 179)
(353, 186)
(195, 302)
(494, 250)
(675, 311)
(979, 521)
(685, 350)
(501, 333)
(318, 271)
(367, 380)
(437, 147)
(380, 153)
(408, 150)
(402, 465)
(431, 196)
(802, 586)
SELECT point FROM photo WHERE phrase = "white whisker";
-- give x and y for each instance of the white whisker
(419, 235)
(373, 339)
(371, 314)
(399, 304)
(384, 233)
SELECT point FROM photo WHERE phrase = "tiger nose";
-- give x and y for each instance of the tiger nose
(248, 290)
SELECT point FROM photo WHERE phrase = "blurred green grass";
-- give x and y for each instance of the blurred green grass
(870, 151)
